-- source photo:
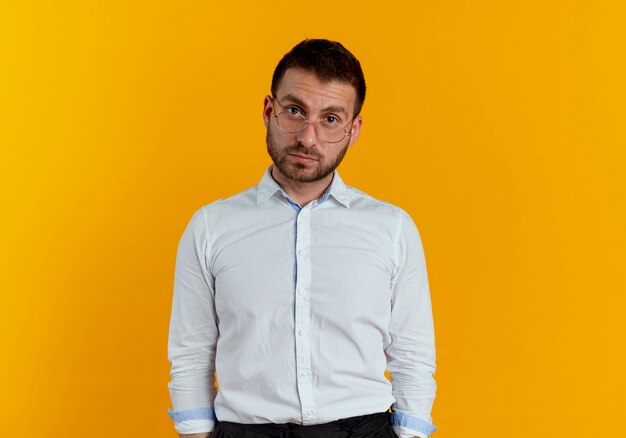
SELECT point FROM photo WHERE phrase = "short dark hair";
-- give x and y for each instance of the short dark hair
(329, 60)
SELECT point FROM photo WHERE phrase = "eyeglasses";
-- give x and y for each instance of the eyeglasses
(292, 121)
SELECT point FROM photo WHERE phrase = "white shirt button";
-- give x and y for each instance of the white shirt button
(301, 332)
(301, 252)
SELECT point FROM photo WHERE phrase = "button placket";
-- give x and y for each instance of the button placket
(302, 316)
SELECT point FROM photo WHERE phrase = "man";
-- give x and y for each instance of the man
(301, 291)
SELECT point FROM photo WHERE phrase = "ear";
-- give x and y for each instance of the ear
(267, 110)
(356, 129)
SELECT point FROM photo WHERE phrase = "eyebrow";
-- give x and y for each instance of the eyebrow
(300, 102)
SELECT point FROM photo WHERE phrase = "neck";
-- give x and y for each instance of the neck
(301, 192)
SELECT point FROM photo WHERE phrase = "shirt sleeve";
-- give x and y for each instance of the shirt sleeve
(193, 333)
(411, 353)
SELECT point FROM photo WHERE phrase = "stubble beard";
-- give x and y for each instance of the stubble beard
(300, 172)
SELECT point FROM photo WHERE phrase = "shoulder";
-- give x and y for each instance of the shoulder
(362, 201)
(222, 210)
(387, 218)
(240, 200)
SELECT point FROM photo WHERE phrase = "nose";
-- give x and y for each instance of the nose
(308, 137)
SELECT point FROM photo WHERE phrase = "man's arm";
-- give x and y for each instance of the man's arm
(411, 354)
(193, 334)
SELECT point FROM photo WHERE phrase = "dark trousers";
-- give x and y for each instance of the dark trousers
(365, 426)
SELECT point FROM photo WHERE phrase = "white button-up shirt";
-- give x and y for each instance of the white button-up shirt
(299, 312)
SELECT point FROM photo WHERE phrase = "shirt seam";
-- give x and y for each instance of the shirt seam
(206, 248)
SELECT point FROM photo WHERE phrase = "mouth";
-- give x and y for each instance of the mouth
(301, 158)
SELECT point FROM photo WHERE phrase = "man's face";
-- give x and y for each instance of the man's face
(304, 157)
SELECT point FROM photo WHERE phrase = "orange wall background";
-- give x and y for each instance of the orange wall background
(499, 126)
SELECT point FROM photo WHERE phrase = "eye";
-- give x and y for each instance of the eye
(293, 111)
(331, 121)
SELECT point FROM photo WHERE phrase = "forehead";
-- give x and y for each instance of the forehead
(307, 87)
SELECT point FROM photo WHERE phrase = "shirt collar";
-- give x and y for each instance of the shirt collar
(267, 187)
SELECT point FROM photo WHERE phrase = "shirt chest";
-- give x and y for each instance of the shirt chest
(340, 261)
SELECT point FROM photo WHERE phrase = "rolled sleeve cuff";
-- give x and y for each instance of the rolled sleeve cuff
(406, 426)
(193, 420)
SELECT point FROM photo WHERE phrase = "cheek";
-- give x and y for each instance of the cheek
(271, 135)
(336, 150)
(275, 139)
